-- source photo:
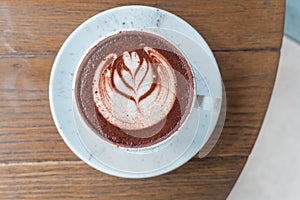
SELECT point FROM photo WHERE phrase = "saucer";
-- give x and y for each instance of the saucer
(135, 164)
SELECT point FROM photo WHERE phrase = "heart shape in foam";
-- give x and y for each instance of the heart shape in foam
(136, 73)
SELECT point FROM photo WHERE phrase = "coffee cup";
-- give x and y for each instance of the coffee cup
(142, 157)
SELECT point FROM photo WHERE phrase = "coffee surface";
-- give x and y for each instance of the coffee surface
(134, 89)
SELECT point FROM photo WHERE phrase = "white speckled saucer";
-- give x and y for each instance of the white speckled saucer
(180, 148)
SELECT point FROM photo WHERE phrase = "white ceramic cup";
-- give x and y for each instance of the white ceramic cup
(92, 139)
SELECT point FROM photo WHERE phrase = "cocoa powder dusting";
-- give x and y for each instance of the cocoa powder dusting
(130, 41)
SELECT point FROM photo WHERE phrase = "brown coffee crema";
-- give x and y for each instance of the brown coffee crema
(134, 89)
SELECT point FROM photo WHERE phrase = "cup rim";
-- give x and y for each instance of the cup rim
(147, 146)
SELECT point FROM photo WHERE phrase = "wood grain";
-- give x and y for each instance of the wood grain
(76, 180)
(34, 161)
(28, 132)
(248, 78)
(40, 27)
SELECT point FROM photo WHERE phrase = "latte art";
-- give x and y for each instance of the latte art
(135, 90)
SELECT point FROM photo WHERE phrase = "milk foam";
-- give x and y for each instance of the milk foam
(136, 90)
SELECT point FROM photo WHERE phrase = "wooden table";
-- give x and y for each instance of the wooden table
(35, 163)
